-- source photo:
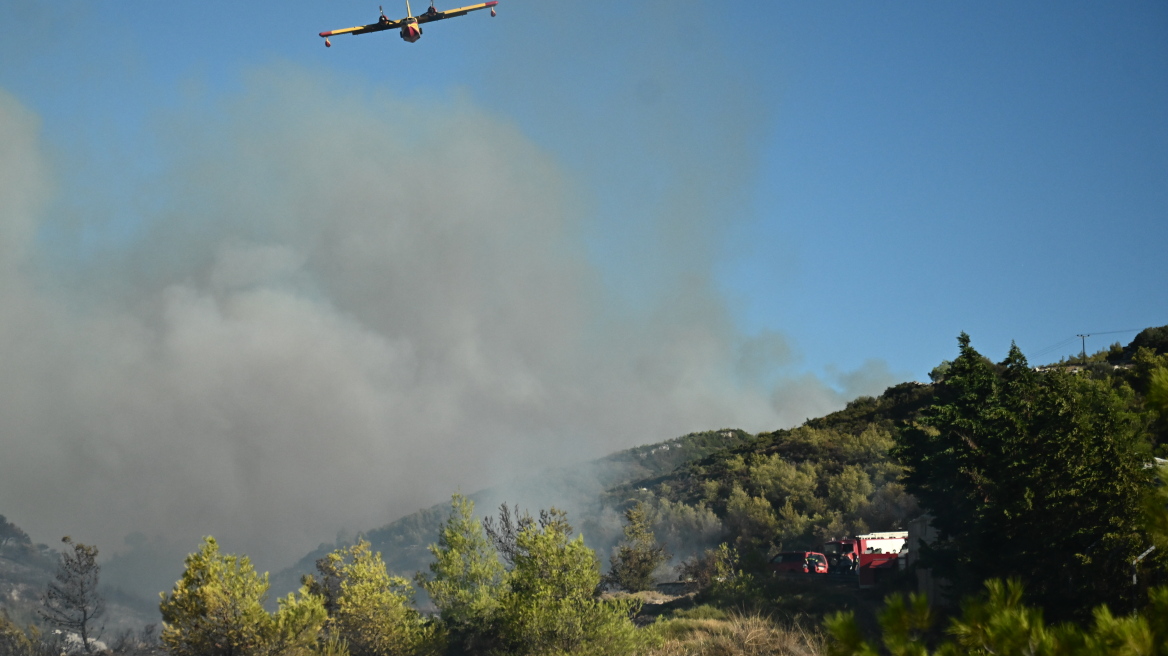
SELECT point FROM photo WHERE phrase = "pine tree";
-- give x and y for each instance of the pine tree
(71, 600)
(217, 609)
(465, 580)
(639, 555)
(375, 615)
(1034, 476)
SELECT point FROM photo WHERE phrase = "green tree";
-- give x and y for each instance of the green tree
(848, 491)
(1035, 476)
(1156, 401)
(549, 606)
(782, 482)
(217, 609)
(1144, 365)
(640, 554)
(328, 586)
(1153, 339)
(999, 622)
(465, 580)
(71, 599)
(940, 371)
(753, 520)
(1157, 398)
(297, 628)
(1156, 511)
(374, 611)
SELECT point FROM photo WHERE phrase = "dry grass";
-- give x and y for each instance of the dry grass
(645, 596)
(737, 635)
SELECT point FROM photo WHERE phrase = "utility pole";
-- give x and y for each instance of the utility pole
(1084, 338)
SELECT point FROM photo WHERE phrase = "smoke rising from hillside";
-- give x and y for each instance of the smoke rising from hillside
(327, 323)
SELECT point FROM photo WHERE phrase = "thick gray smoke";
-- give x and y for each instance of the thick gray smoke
(326, 323)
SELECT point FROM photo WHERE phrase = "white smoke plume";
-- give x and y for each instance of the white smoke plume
(326, 322)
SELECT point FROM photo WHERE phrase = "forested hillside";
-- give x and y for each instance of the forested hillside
(838, 475)
(577, 490)
(832, 476)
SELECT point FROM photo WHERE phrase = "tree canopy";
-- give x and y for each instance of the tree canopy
(466, 579)
(1030, 475)
(217, 609)
(549, 605)
(374, 612)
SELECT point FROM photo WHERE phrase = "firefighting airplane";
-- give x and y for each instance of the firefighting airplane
(411, 26)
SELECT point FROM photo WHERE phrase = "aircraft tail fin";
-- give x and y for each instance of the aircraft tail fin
(409, 14)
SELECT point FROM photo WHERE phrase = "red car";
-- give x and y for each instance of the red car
(801, 562)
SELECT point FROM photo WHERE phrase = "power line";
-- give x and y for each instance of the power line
(1054, 347)
(1115, 332)
(1108, 332)
(1083, 337)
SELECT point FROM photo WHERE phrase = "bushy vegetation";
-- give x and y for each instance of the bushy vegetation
(15, 641)
(999, 622)
(543, 602)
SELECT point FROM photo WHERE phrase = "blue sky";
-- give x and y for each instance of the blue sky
(573, 228)
(908, 170)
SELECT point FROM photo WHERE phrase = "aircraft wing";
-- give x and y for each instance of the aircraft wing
(365, 29)
(427, 17)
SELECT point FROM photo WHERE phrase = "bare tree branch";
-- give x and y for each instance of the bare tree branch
(71, 600)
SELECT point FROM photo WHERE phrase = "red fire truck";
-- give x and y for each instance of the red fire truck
(869, 557)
